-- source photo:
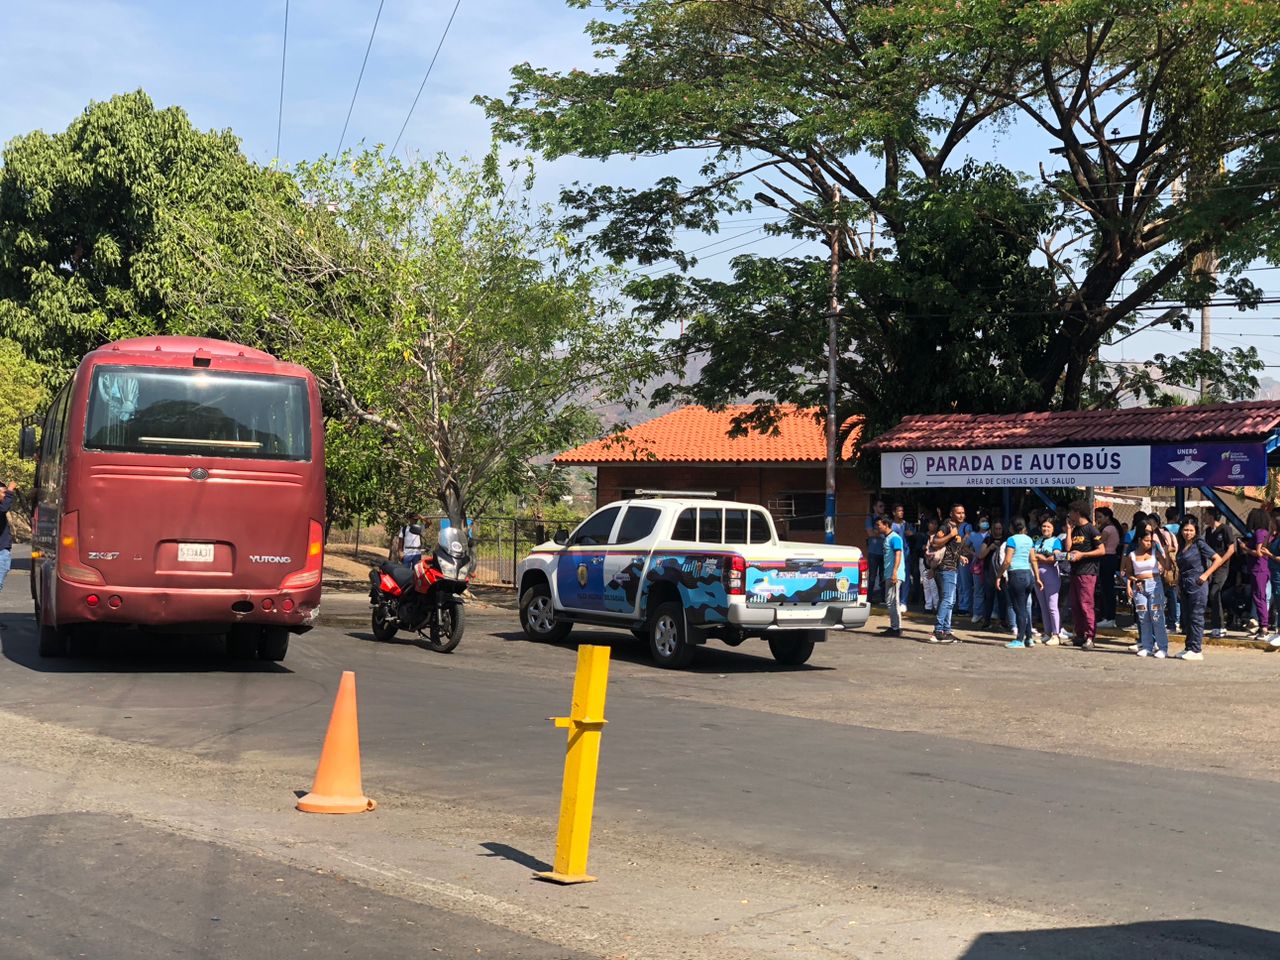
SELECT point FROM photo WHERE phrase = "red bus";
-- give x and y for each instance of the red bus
(180, 488)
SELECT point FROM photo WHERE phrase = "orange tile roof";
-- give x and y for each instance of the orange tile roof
(698, 435)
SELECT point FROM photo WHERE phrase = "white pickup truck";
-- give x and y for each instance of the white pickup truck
(676, 572)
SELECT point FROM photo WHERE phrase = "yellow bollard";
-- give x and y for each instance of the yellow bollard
(581, 761)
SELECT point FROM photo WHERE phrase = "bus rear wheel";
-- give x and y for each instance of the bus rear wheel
(274, 644)
(53, 641)
(242, 642)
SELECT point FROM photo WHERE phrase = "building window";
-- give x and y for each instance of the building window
(801, 511)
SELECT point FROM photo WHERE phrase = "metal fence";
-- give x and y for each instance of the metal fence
(500, 543)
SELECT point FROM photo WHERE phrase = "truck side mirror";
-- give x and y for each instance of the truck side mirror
(561, 537)
(27, 443)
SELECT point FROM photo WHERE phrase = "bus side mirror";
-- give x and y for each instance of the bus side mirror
(27, 443)
(561, 537)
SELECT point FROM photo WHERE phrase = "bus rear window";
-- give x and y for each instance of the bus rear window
(198, 412)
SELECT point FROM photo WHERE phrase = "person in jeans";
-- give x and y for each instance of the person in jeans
(1019, 563)
(949, 540)
(1046, 549)
(1108, 566)
(1085, 553)
(1168, 535)
(1143, 570)
(999, 613)
(875, 553)
(7, 493)
(964, 584)
(979, 595)
(1222, 537)
(1197, 563)
(895, 572)
(907, 531)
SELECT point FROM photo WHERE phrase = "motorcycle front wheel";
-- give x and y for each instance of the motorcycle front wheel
(384, 628)
(446, 632)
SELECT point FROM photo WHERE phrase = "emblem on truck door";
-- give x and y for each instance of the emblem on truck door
(582, 574)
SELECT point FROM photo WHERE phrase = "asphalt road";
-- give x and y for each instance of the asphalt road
(1179, 858)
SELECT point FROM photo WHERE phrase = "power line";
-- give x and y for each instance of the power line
(425, 78)
(284, 49)
(355, 93)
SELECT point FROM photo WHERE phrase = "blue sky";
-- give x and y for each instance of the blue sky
(221, 62)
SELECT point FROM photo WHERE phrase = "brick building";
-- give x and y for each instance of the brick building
(691, 449)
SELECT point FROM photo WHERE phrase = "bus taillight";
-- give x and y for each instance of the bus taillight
(69, 567)
(309, 575)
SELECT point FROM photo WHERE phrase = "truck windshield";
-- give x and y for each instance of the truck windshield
(198, 412)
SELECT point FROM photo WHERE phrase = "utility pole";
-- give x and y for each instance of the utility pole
(833, 350)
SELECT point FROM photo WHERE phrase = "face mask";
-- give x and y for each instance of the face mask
(984, 526)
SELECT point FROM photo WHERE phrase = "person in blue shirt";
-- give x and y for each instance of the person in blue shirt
(980, 598)
(895, 572)
(906, 531)
(875, 552)
(1019, 563)
(6, 531)
(1048, 551)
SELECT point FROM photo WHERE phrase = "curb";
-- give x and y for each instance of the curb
(1113, 637)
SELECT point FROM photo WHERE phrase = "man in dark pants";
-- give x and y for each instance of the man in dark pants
(1221, 536)
(1086, 552)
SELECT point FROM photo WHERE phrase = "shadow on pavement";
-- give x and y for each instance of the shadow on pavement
(1165, 939)
(504, 852)
(126, 651)
(710, 658)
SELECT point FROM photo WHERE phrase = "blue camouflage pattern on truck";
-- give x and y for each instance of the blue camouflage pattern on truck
(799, 583)
(699, 578)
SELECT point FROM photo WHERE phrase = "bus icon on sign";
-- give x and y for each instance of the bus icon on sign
(909, 466)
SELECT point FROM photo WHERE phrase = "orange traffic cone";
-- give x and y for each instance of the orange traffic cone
(337, 788)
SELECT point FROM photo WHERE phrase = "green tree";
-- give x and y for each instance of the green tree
(443, 315)
(22, 394)
(85, 257)
(789, 102)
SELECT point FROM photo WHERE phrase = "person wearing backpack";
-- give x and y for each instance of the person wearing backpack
(6, 530)
(1197, 563)
(1167, 537)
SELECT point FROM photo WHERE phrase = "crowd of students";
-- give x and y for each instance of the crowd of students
(1073, 568)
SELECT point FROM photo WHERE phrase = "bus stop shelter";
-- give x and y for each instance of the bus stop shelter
(1198, 447)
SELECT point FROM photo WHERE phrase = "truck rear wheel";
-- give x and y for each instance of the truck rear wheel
(538, 615)
(793, 647)
(668, 636)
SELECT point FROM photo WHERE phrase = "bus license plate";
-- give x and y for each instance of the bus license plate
(195, 553)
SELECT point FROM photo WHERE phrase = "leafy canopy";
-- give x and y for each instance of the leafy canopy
(451, 326)
(790, 101)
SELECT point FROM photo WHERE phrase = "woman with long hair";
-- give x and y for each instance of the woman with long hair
(1046, 549)
(1197, 563)
(1019, 563)
(1143, 568)
(1259, 524)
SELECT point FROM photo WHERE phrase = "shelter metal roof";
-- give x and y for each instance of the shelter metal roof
(1257, 420)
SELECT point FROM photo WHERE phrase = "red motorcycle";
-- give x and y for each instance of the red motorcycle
(423, 595)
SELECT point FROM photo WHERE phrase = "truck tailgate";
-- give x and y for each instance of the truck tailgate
(804, 576)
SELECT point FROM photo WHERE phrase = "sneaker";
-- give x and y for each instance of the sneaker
(1160, 655)
(1253, 624)
(936, 637)
(1274, 641)
(1053, 641)
(1106, 623)
(902, 608)
(1134, 648)
(1190, 655)
(1032, 642)
(1015, 645)
(1087, 645)
(1219, 633)
(891, 632)
(950, 637)
(1144, 652)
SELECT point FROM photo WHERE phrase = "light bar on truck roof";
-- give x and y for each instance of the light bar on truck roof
(699, 494)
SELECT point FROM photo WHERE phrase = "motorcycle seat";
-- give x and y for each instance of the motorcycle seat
(401, 573)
